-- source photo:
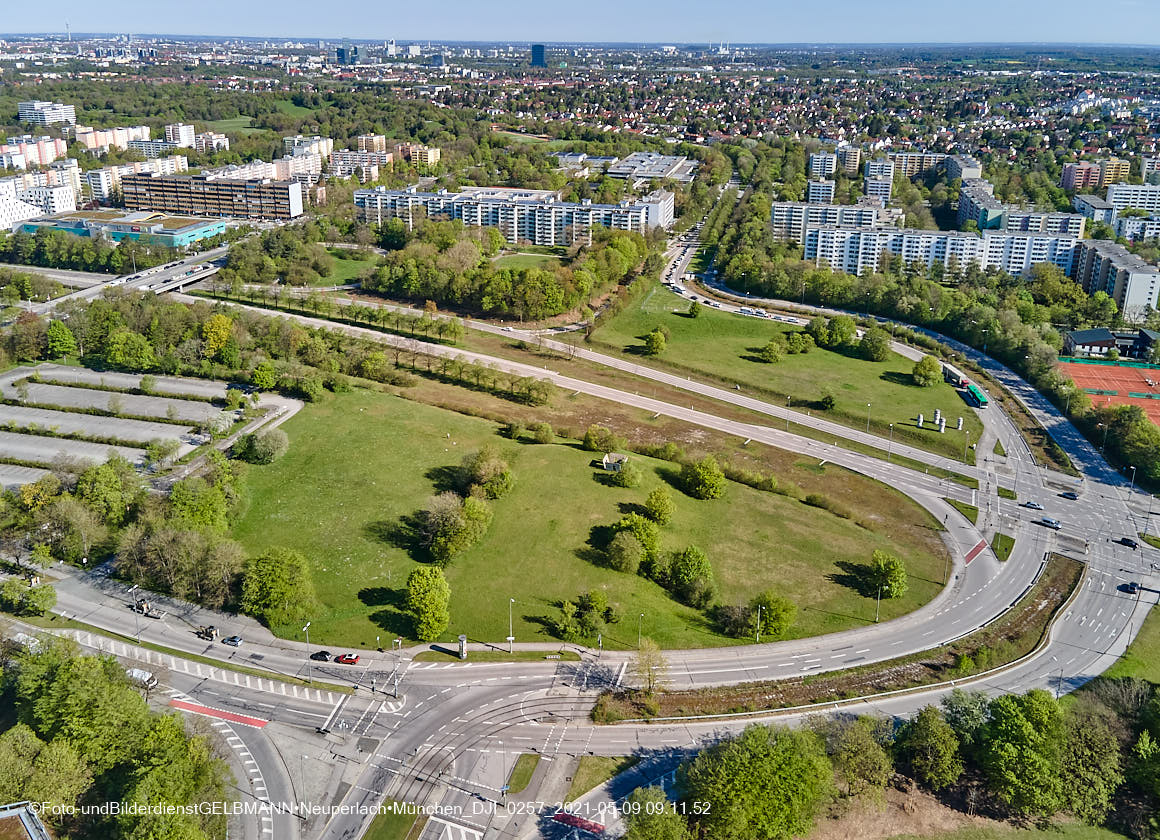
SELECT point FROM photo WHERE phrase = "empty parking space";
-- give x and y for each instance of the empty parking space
(112, 379)
(45, 450)
(69, 397)
(12, 476)
(62, 422)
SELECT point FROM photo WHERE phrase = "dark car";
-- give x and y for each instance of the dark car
(1132, 588)
(347, 659)
(321, 656)
(1069, 495)
(232, 641)
(1129, 542)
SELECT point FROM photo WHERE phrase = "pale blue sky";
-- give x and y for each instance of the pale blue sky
(684, 21)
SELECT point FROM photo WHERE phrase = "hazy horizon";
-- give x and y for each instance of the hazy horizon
(1116, 23)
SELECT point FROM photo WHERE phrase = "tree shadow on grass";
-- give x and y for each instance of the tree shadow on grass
(753, 354)
(854, 576)
(403, 533)
(443, 479)
(383, 596)
(392, 621)
(671, 477)
(896, 378)
(626, 508)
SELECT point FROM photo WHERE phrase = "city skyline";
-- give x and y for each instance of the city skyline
(1121, 22)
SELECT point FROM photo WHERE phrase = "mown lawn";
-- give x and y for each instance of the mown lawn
(516, 261)
(361, 462)
(345, 269)
(723, 346)
(235, 125)
(1142, 658)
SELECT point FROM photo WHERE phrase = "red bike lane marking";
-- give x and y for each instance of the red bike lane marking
(209, 711)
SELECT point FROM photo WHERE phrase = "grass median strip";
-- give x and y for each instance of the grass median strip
(595, 770)
(1007, 493)
(498, 656)
(1002, 545)
(969, 511)
(522, 772)
(1011, 636)
(53, 621)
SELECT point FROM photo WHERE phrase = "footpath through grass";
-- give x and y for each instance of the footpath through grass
(723, 346)
(360, 464)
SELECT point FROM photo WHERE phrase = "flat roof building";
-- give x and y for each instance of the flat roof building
(791, 218)
(849, 159)
(878, 168)
(820, 192)
(45, 113)
(180, 134)
(1032, 221)
(1080, 176)
(1094, 208)
(1140, 196)
(1137, 228)
(963, 167)
(207, 195)
(823, 164)
(1105, 266)
(880, 187)
(646, 166)
(977, 203)
(909, 164)
(145, 226)
(536, 216)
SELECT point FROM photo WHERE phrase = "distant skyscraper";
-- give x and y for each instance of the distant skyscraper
(539, 59)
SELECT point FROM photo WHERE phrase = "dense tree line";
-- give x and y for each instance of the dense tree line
(1021, 756)
(450, 264)
(57, 249)
(82, 735)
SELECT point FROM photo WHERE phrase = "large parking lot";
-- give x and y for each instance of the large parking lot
(40, 431)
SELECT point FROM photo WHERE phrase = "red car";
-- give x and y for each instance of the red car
(347, 659)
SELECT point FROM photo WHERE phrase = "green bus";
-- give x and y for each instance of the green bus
(976, 397)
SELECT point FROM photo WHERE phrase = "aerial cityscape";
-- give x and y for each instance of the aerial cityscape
(656, 422)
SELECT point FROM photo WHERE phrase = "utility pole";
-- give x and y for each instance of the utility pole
(867, 418)
(309, 660)
(890, 446)
(639, 624)
(759, 607)
(511, 633)
(878, 604)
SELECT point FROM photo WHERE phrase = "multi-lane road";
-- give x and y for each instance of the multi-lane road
(451, 735)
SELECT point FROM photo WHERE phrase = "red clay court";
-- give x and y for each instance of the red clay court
(1132, 383)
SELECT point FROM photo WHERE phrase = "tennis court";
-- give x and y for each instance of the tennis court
(1116, 383)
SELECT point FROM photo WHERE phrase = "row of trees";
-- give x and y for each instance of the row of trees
(1025, 756)
(83, 736)
(450, 264)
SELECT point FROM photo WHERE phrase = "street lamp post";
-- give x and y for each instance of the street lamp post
(788, 403)
(1149, 517)
(309, 667)
(759, 608)
(511, 633)
(1132, 483)
(878, 604)
(867, 418)
(1104, 445)
(966, 442)
(639, 624)
(890, 445)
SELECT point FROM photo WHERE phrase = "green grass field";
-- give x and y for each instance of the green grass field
(526, 261)
(595, 770)
(391, 826)
(522, 771)
(520, 137)
(346, 270)
(288, 107)
(1141, 658)
(723, 346)
(1002, 544)
(969, 511)
(234, 125)
(360, 462)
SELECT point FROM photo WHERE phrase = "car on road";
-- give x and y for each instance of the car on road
(509, 329)
(321, 656)
(1048, 522)
(1131, 587)
(1070, 494)
(1129, 542)
(1033, 505)
(347, 659)
(232, 641)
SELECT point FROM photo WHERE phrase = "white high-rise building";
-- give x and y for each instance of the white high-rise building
(180, 134)
(823, 164)
(1140, 196)
(820, 192)
(51, 200)
(45, 113)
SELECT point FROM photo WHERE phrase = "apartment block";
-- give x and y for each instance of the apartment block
(1094, 208)
(13, 211)
(1113, 170)
(963, 167)
(1140, 196)
(880, 188)
(371, 143)
(909, 164)
(210, 141)
(820, 192)
(536, 216)
(60, 173)
(1080, 176)
(1138, 228)
(418, 154)
(100, 140)
(345, 164)
(51, 200)
(859, 251)
(1031, 221)
(207, 195)
(1150, 170)
(977, 203)
(300, 145)
(879, 168)
(101, 183)
(791, 218)
(153, 148)
(34, 151)
(180, 134)
(45, 113)
(823, 164)
(1104, 266)
(849, 159)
